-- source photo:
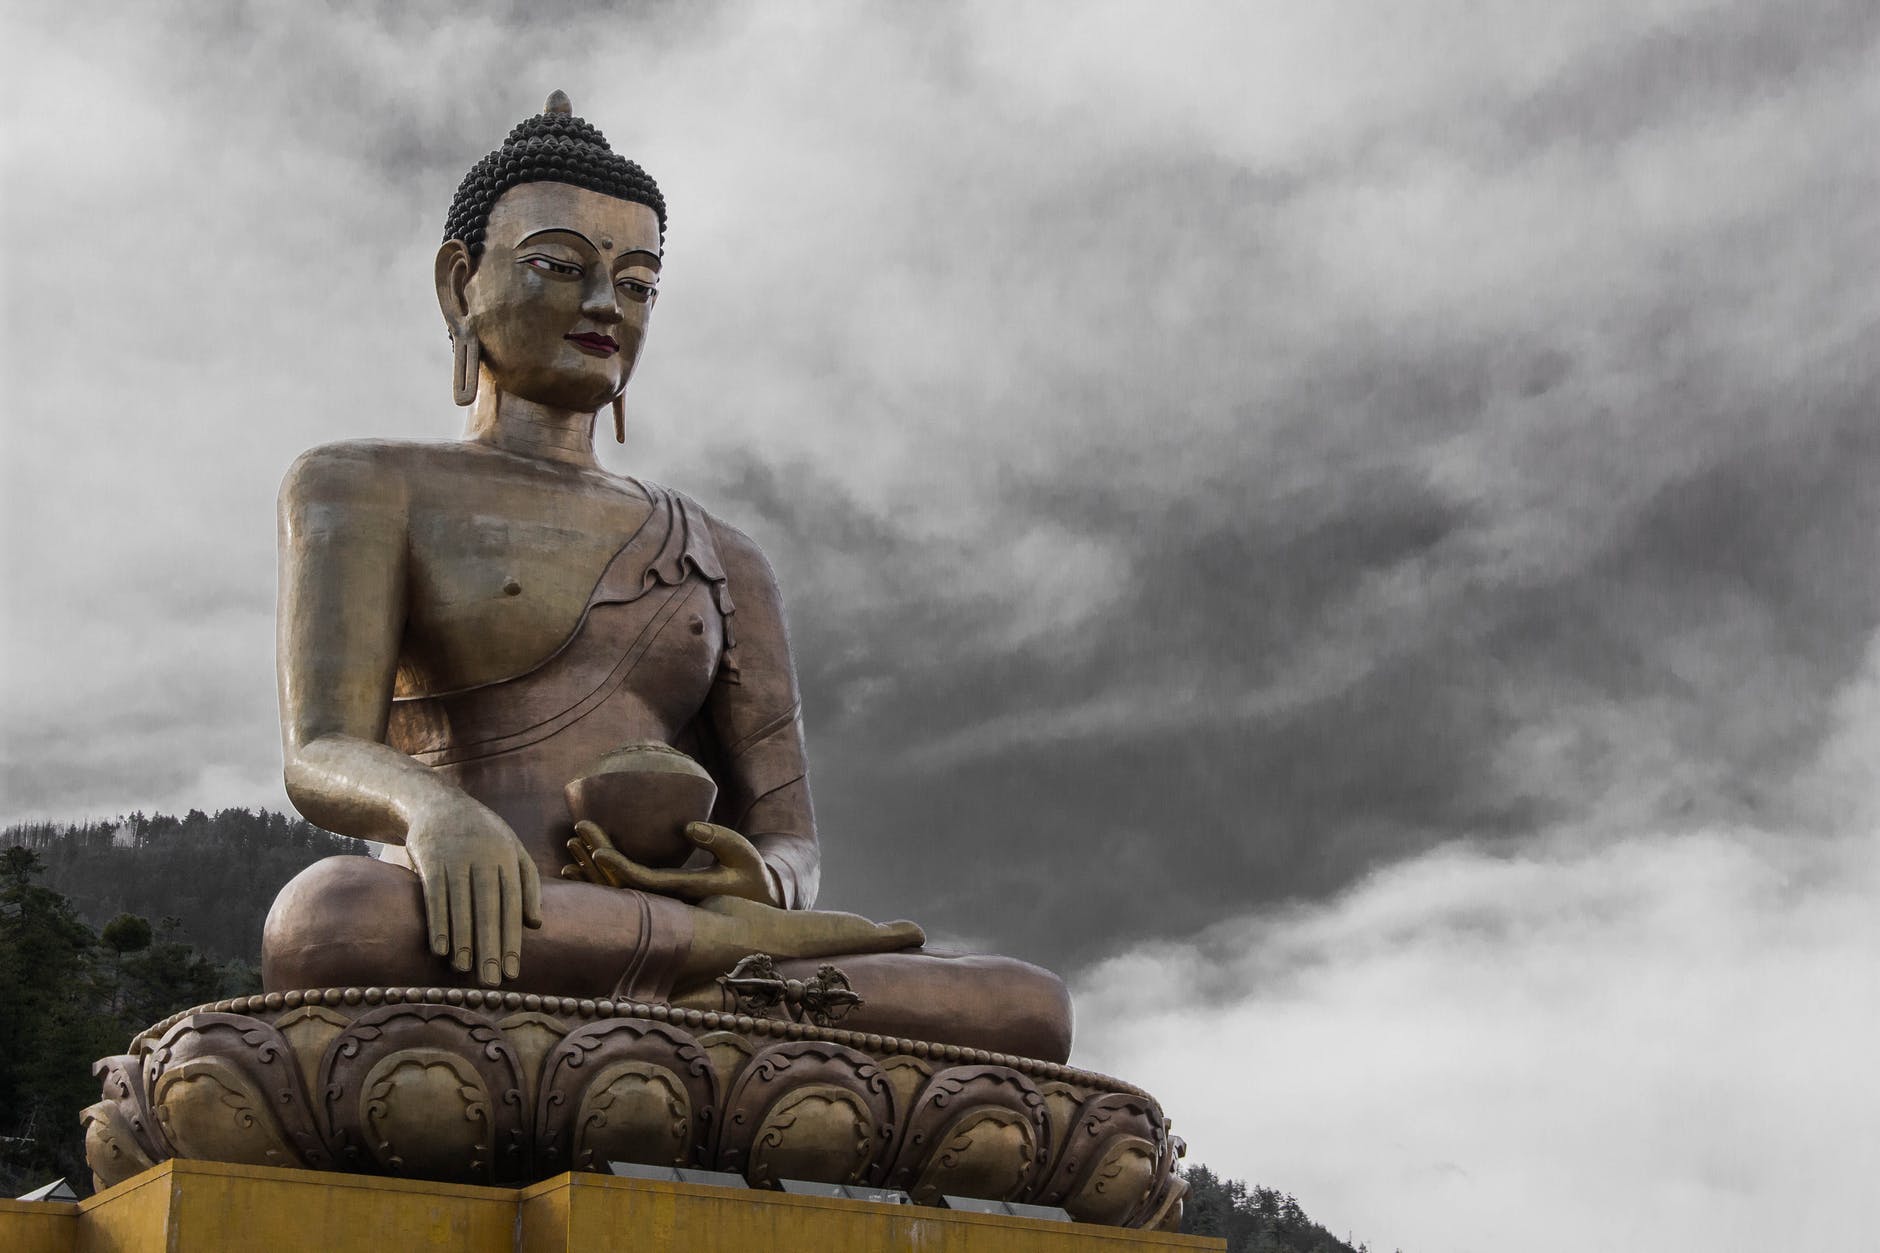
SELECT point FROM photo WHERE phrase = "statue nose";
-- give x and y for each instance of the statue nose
(602, 304)
(602, 309)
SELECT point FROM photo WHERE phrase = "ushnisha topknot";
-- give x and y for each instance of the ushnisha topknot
(554, 146)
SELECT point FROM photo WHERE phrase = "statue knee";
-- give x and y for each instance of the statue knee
(1007, 1005)
(345, 921)
(1040, 1008)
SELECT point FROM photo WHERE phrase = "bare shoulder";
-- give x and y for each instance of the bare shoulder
(353, 469)
(742, 558)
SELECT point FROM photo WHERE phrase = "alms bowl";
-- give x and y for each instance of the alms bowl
(642, 796)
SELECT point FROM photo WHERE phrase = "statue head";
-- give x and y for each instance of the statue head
(550, 264)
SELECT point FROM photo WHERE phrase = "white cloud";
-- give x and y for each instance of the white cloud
(1605, 1037)
(1659, 1043)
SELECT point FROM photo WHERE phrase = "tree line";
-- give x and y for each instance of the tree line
(216, 874)
(1254, 1219)
(83, 968)
(107, 927)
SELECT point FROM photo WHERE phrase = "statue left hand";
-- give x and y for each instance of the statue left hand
(740, 870)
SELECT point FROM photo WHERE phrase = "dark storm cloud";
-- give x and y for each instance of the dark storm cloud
(1315, 652)
(1714, 59)
(1725, 615)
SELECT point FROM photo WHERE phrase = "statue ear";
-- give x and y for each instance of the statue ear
(454, 268)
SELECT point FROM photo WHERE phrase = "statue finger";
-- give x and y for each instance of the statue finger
(436, 912)
(621, 870)
(574, 874)
(689, 884)
(509, 883)
(723, 843)
(592, 857)
(458, 878)
(738, 857)
(531, 894)
(594, 834)
(728, 846)
(584, 864)
(486, 904)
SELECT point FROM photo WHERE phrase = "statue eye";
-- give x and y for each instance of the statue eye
(550, 265)
(635, 290)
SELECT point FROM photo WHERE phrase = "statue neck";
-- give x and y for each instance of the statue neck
(528, 429)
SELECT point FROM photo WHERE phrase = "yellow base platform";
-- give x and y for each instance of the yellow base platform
(185, 1206)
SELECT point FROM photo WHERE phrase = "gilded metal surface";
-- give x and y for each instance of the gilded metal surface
(228, 1089)
(471, 1086)
(973, 1131)
(755, 986)
(566, 697)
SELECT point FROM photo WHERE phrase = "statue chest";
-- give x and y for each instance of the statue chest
(603, 649)
(491, 595)
(635, 670)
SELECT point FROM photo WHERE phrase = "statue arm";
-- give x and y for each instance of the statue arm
(341, 613)
(755, 715)
(343, 568)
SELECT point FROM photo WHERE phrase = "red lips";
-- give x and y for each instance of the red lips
(594, 342)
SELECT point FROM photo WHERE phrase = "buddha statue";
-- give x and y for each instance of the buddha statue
(472, 633)
(564, 703)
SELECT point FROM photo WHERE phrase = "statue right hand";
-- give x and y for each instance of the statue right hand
(480, 888)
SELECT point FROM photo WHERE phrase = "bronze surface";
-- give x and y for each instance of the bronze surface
(466, 629)
(475, 1086)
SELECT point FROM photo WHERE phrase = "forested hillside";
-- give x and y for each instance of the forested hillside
(107, 927)
(1254, 1219)
(215, 874)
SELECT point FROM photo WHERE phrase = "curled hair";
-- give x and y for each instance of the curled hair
(552, 147)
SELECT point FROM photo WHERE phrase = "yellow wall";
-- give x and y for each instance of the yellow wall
(129, 1218)
(38, 1226)
(184, 1206)
(588, 1212)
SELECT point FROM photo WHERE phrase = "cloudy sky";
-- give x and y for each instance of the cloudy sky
(1346, 528)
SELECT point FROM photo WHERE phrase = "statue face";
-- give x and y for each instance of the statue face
(560, 298)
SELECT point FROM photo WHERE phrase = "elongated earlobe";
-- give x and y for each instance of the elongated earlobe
(466, 363)
(620, 418)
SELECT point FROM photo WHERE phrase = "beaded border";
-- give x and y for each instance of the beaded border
(695, 1019)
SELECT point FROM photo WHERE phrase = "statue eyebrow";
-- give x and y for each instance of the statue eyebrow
(557, 230)
(569, 230)
(638, 252)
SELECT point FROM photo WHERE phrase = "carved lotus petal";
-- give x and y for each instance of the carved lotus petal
(475, 1087)
(1091, 1171)
(820, 1131)
(1117, 1185)
(730, 1053)
(210, 1108)
(427, 1115)
(427, 1091)
(226, 1087)
(111, 1146)
(625, 1090)
(123, 1086)
(988, 1152)
(794, 1091)
(534, 1036)
(974, 1131)
(634, 1111)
